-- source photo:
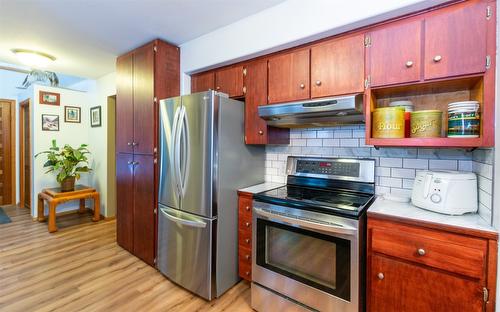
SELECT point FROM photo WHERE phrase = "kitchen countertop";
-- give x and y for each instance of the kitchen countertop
(407, 211)
(262, 187)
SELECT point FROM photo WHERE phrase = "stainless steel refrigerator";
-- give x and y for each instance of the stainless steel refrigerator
(203, 161)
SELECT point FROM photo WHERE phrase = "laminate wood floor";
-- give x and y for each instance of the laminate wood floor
(81, 268)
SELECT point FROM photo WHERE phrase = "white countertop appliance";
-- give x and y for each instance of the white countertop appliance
(448, 192)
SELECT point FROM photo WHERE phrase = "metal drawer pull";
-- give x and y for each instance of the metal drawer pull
(247, 224)
(380, 276)
(247, 208)
(247, 240)
(178, 220)
(409, 64)
(437, 58)
(261, 132)
(247, 257)
(421, 251)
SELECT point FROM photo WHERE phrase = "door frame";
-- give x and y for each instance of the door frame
(12, 148)
(22, 195)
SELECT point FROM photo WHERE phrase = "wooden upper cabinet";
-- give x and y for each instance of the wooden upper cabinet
(338, 67)
(144, 116)
(455, 40)
(230, 81)
(203, 82)
(124, 103)
(289, 77)
(394, 54)
(256, 83)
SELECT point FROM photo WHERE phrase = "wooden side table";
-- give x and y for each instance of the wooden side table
(54, 196)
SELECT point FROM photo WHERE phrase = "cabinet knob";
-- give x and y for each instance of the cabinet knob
(380, 276)
(409, 64)
(421, 252)
(247, 224)
(130, 162)
(244, 90)
(318, 83)
(247, 273)
(217, 88)
(437, 58)
(247, 257)
(302, 86)
(135, 143)
(261, 132)
(247, 208)
(129, 143)
(247, 240)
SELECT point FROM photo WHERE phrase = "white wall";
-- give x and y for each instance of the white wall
(69, 133)
(288, 24)
(98, 139)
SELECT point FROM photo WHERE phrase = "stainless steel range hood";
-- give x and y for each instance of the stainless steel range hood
(315, 113)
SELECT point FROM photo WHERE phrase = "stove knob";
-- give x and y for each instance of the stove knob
(436, 198)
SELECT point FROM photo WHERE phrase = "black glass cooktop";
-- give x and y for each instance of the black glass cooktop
(339, 202)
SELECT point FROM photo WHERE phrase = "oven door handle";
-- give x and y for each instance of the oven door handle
(331, 228)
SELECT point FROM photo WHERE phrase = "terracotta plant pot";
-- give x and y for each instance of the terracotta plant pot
(68, 184)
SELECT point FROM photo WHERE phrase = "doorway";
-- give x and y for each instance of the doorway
(24, 155)
(7, 152)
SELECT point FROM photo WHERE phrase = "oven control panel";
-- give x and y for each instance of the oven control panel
(335, 168)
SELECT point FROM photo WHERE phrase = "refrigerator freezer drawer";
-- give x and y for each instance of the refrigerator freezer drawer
(185, 250)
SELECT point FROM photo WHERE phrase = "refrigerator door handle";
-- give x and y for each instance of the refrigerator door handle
(198, 224)
(164, 136)
(177, 151)
(186, 151)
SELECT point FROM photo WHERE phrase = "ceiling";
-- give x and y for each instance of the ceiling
(86, 35)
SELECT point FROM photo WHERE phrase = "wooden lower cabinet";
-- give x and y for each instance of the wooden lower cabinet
(245, 235)
(420, 268)
(135, 213)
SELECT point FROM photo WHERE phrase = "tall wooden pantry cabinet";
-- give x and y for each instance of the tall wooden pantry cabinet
(144, 76)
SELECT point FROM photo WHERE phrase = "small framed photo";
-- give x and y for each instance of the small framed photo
(50, 122)
(49, 98)
(95, 116)
(72, 114)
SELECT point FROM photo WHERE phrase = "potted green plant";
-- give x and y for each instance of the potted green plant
(67, 163)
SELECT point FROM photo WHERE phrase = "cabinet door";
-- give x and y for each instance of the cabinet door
(230, 81)
(289, 77)
(394, 54)
(144, 205)
(202, 82)
(124, 103)
(144, 116)
(399, 286)
(256, 83)
(338, 67)
(455, 41)
(125, 201)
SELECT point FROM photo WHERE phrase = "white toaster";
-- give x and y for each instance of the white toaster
(448, 192)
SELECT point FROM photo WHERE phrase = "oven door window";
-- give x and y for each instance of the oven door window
(318, 260)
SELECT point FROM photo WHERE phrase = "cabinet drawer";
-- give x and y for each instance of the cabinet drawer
(245, 254)
(244, 222)
(245, 207)
(245, 270)
(450, 252)
(245, 238)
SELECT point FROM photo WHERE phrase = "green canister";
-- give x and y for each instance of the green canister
(463, 124)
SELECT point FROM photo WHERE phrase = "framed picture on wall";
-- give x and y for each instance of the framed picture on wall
(49, 98)
(72, 114)
(50, 122)
(95, 116)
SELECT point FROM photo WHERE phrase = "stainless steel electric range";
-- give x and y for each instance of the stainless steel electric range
(309, 237)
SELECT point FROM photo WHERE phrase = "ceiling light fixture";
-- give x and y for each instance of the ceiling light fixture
(33, 58)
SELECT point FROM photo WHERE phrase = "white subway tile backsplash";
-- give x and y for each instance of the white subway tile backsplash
(443, 164)
(416, 163)
(395, 167)
(391, 162)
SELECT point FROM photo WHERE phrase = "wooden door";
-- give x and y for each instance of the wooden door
(203, 82)
(125, 200)
(394, 53)
(230, 81)
(289, 77)
(7, 152)
(256, 84)
(144, 114)
(124, 103)
(400, 286)
(24, 155)
(455, 41)
(338, 67)
(144, 205)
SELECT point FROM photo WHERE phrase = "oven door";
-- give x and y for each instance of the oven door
(314, 263)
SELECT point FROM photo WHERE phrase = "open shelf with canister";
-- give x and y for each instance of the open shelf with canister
(435, 95)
